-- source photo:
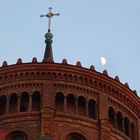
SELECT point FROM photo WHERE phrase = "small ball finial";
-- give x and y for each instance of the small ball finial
(105, 72)
(19, 61)
(117, 78)
(64, 61)
(4, 64)
(34, 60)
(92, 68)
(127, 85)
(78, 64)
(49, 37)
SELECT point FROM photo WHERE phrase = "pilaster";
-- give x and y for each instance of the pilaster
(104, 125)
(139, 129)
(47, 109)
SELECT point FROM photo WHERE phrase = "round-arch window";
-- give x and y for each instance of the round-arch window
(76, 136)
(18, 136)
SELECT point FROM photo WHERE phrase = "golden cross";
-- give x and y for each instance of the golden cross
(50, 15)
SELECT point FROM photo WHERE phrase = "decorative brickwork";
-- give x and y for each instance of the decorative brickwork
(65, 102)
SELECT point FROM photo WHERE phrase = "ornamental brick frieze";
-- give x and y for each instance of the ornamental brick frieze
(119, 107)
(77, 89)
(19, 87)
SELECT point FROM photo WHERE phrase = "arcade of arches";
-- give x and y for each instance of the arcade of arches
(69, 104)
(19, 103)
(73, 105)
(122, 123)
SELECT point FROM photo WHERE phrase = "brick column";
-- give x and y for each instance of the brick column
(7, 105)
(123, 126)
(76, 105)
(87, 113)
(104, 125)
(18, 103)
(30, 103)
(130, 134)
(48, 108)
(115, 120)
(65, 104)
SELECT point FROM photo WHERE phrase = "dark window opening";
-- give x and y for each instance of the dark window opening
(92, 109)
(2, 105)
(119, 121)
(59, 102)
(23, 108)
(24, 105)
(133, 136)
(71, 103)
(76, 137)
(36, 101)
(111, 114)
(13, 103)
(17, 136)
(126, 125)
(81, 106)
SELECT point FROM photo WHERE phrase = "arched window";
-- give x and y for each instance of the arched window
(126, 126)
(76, 136)
(82, 106)
(2, 105)
(13, 103)
(92, 109)
(71, 103)
(133, 135)
(24, 104)
(120, 121)
(17, 135)
(59, 102)
(111, 114)
(36, 101)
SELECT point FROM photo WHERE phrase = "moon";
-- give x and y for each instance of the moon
(103, 60)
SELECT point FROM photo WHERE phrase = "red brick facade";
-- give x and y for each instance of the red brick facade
(66, 102)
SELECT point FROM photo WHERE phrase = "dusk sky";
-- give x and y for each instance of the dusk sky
(85, 31)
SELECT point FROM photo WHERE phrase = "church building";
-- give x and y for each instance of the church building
(59, 101)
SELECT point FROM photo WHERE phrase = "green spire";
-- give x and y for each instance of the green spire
(48, 56)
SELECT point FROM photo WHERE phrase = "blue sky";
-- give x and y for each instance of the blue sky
(86, 30)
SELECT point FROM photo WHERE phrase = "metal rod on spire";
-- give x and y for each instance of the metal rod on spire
(50, 15)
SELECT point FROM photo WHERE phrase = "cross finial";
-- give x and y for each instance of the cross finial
(50, 15)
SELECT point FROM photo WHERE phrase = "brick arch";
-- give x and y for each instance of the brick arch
(126, 126)
(111, 116)
(24, 104)
(76, 136)
(3, 100)
(82, 105)
(92, 110)
(25, 131)
(119, 121)
(13, 103)
(71, 103)
(133, 131)
(59, 101)
(70, 77)
(59, 76)
(36, 99)
(66, 133)
(17, 135)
